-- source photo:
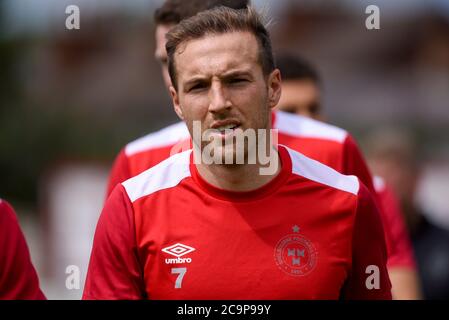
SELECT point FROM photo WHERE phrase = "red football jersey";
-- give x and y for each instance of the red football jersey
(148, 151)
(399, 242)
(310, 233)
(18, 278)
(325, 143)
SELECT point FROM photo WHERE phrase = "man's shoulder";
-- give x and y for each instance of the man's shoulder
(8, 217)
(303, 127)
(5, 206)
(165, 137)
(166, 174)
(320, 173)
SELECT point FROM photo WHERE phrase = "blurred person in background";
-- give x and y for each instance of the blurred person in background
(301, 87)
(392, 155)
(301, 95)
(18, 278)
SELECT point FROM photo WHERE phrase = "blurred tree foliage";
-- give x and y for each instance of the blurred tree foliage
(32, 138)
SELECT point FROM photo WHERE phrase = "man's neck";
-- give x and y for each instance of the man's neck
(239, 177)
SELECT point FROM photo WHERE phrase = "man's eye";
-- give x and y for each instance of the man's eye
(237, 80)
(314, 108)
(197, 87)
(163, 61)
(289, 109)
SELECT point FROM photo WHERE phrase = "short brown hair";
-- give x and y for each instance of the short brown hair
(174, 11)
(295, 67)
(220, 20)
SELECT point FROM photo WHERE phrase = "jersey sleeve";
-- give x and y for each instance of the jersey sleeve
(368, 279)
(400, 252)
(119, 173)
(18, 278)
(114, 271)
(399, 248)
(354, 163)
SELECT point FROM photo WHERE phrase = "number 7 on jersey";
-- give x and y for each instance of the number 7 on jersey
(180, 272)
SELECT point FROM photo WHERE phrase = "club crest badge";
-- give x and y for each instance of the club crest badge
(295, 254)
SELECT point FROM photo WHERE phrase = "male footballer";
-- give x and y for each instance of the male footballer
(18, 278)
(193, 229)
(328, 144)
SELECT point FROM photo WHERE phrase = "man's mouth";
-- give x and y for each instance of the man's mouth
(225, 127)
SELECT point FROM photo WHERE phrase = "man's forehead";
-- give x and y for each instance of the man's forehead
(161, 31)
(217, 53)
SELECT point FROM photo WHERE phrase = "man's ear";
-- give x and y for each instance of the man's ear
(274, 88)
(175, 100)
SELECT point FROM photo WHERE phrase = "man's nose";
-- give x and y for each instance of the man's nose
(219, 101)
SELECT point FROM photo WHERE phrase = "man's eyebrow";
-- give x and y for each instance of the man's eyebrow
(226, 75)
(195, 80)
(236, 73)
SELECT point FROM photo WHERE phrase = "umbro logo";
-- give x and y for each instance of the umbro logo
(178, 250)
